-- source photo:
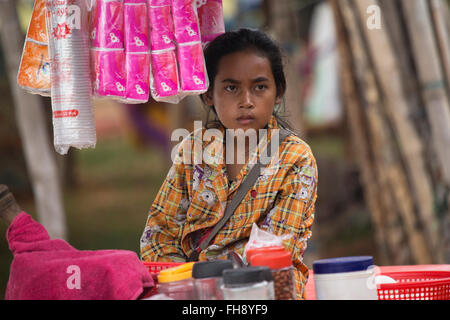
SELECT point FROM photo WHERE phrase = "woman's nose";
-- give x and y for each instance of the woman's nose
(246, 100)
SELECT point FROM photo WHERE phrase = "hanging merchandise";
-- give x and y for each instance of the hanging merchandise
(164, 81)
(210, 17)
(71, 89)
(137, 54)
(193, 79)
(107, 49)
(127, 50)
(34, 70)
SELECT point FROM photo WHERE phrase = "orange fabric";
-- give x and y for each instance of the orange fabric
(194, 196)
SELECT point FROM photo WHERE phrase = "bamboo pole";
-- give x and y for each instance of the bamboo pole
(371, 193)
(389, 172)
(431, 77)
(388, 75)
(430, 74)
(438, 9)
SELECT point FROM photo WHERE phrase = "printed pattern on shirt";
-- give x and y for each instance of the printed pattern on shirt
(193, 198)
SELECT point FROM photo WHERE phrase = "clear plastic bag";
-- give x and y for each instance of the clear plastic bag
(260, 238)
(34, 70)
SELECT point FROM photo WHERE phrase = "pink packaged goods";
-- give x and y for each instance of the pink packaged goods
(108, 72)
(136, 27)
(161, 31)
(138, 74)
(134, 1)
(164, 74)
(158, 3)
(185, 21)
(210, 16)
(192, 68)
(107, 24)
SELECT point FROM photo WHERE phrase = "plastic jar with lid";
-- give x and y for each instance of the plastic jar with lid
(252, 283)
(345, 278)
(280, 264)
(207, 277)
(176, 282)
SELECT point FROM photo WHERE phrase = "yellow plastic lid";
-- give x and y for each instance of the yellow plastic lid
(178, 273)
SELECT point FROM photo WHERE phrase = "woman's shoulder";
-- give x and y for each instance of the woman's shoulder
(295, 147)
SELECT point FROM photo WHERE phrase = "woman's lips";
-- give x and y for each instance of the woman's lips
(245, 119)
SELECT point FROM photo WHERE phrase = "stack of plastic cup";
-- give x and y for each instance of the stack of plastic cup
(164, 81)
(107, 49)
(137, 54)
(71, 88)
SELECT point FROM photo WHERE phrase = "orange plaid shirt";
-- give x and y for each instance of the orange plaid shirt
(193, 198)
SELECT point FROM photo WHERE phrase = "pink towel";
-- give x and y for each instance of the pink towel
(47, 269)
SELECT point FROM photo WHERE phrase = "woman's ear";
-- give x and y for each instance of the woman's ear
(207, 98)
(278, 100)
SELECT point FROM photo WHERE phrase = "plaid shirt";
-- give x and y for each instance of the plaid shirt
(193, 199)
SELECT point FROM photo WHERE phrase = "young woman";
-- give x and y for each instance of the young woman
(247, 82)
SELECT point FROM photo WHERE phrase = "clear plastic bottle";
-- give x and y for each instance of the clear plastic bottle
(252, 283)
(280, 263)
(177, 283)
(207, 277)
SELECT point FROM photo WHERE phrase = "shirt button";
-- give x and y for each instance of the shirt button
(253, 193)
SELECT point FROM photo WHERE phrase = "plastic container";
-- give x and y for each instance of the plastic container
(155, 268)
(207, 277)
(345, 278)
(176, 282)
(252, 283)
(280, 264)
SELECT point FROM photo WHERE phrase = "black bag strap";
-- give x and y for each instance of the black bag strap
(244, 187)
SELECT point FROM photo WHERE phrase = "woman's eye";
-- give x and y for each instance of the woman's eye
(231, 88)
(261, 87)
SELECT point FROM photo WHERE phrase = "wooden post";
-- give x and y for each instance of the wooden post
(31, 122)
(389, 173)
(438, 12)
(388, 75)
(353, 113)
(433, 88)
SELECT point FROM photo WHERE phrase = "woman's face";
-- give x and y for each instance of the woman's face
(244, 91)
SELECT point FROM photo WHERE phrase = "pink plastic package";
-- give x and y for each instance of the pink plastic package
(185, 21)
(108, 72)
(159, 3)
(138, 77)
(107, 23)
(161, 31)
(134, 1)
(136, 27)
(192, 68)
(210, 17)
(164, 82)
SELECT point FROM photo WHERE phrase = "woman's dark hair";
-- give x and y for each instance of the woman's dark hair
(238, 41)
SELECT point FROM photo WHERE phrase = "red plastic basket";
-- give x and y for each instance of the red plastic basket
(421, 282)
(154, 268)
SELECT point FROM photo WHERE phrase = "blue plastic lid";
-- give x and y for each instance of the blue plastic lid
(342, 264)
